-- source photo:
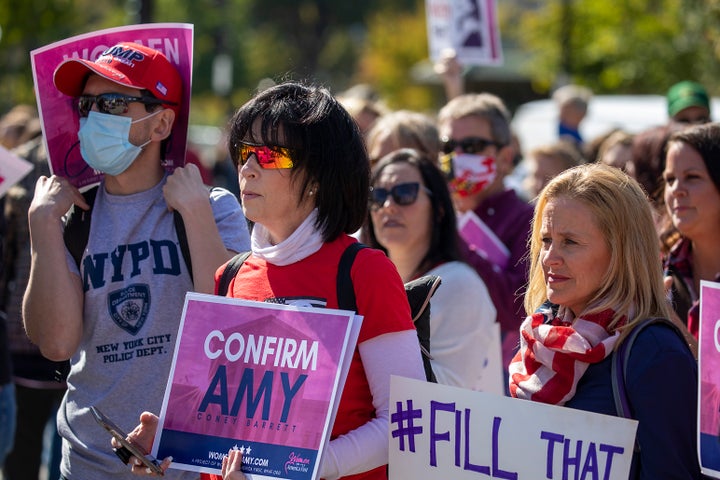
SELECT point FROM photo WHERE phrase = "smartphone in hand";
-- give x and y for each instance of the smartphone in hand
(128, 449)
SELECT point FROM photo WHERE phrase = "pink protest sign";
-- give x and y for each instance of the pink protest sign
(709, 392)
(12, 169)
(482, 240)
(58, 112)
(259, 377)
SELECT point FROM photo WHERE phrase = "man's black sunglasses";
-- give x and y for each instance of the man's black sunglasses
(402, 194)
(468, 144)
(114, 103)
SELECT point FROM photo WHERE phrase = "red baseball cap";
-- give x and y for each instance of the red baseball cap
(129, 64)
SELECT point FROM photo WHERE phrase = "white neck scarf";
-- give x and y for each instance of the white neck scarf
(302, 243)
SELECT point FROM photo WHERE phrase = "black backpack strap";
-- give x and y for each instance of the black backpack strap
(231, 269)
(681, 297)
(418, 293)
(182, 238)
(77, 226)
(345, 288)
(620, 357)
(77, 230)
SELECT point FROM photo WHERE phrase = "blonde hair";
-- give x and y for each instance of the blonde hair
(575, 95)
(618, 137)
(406, 129)
(633, 284)
(358, 107)
(565, 153)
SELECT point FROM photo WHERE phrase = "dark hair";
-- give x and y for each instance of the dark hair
(166, 144)
(326, 147)
(444, 242)
(649, 160)
(704, 139)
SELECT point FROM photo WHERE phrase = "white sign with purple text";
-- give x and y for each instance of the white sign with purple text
(438, 431)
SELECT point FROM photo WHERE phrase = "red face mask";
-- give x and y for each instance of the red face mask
(468, 174)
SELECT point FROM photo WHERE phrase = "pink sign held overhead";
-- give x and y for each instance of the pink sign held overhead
(58, 113)
(469, 28)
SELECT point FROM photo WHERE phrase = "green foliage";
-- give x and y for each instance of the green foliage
(396, 42)
(615, 46)
(623, 46)
(29, 24)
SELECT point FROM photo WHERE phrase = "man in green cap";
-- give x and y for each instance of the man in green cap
(688, 103)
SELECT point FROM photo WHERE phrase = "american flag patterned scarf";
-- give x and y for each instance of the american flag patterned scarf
(556, 350)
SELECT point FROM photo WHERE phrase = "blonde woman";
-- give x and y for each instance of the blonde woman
(403, 129)
(595, 273)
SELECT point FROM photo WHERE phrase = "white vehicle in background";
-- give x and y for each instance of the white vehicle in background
(535, 123)
(207, 140)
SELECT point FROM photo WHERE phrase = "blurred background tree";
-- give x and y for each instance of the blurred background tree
(619, 46)
(628, 46)
(29, 24)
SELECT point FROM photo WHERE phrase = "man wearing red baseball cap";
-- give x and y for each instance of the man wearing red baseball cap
(115, 309)
(128, 64)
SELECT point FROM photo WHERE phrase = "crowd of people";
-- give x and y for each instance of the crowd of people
(600, 235)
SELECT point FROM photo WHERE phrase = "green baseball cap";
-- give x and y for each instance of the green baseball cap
(686, 94)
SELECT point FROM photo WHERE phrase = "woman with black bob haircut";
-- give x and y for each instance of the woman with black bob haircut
(326, 149)
(413, 221)
(304, 175)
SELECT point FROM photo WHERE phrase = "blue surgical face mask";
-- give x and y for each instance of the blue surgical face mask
(105, 142)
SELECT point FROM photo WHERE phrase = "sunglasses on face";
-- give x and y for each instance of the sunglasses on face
(268, 157)
(468, 144)
(113, 103)
(402, 194)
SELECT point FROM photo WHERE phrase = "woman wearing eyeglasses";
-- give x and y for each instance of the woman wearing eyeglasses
(304, 180)
(477, 156)
(413, 221)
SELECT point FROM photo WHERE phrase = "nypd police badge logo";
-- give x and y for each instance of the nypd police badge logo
(129, 307)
